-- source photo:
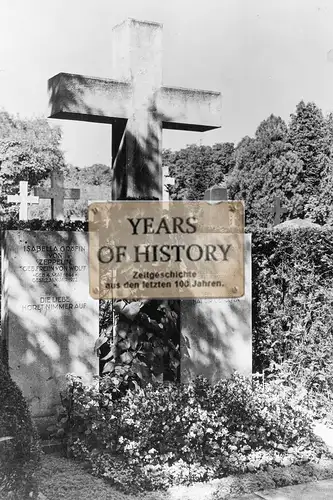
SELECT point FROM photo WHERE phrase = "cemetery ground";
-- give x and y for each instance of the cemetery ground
(60, 477)
(263, 435)
(63, 479)
(225, 439)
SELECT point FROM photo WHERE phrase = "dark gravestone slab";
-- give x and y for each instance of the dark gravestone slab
(216, 193)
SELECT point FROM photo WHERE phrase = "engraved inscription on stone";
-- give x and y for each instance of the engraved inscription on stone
(50, 321)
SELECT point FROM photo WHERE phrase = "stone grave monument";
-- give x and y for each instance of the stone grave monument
(57, 194)
(49, 321)
(217, 333)
(138, 107)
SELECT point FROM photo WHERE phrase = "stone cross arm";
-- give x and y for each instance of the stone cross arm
(76, 97)
(67, 193)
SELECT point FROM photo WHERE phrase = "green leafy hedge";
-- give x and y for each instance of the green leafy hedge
(166, 434)
(19, 456)
(44, 225)
(292, 303)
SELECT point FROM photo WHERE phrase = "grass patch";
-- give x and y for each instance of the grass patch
(65, 479)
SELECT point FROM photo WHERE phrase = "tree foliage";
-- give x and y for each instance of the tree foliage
(291, 162)
(196, 168)
(19, 443)
(266, 167)
(319, 207)
(309, 137)
(29, 150)
(94, 183)
(292, 300)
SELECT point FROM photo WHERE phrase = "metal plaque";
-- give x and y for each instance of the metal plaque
(176, 249)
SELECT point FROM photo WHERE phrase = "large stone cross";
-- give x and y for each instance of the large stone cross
(23, 199)
(137, 105)
(57, 194)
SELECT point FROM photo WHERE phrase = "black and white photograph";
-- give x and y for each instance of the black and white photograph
(166, 237)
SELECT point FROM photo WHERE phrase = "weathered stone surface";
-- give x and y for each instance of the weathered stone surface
(57, 194)
(23, 199)
(217, 333)
(49, 320)
(189, 109)
(138, 107)
(77, 97)
(103, 100)
(138, 165)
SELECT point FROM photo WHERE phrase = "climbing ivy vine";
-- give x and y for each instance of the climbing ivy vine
(139, 342)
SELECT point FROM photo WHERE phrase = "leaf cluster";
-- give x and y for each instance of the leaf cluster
(19, 456)
(292, 303)
(167, 434)
(139, 343)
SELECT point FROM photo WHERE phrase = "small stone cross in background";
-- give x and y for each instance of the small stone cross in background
(57, 194)
(24, 199)
(167, 181)
(277, 211)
